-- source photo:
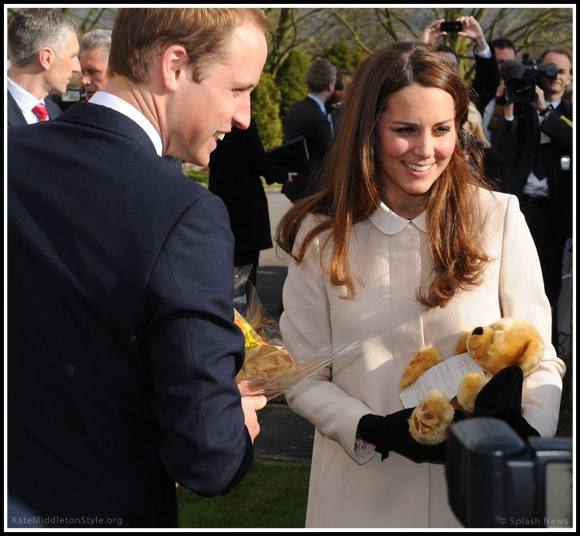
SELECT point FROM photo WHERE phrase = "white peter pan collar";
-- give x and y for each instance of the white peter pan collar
(386, 221)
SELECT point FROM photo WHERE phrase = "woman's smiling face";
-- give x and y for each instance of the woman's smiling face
(415, 138)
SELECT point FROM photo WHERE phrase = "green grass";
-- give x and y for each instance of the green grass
(199, 176)
(202, 177)
(272, 495)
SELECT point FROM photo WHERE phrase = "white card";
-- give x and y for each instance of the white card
(444, 377)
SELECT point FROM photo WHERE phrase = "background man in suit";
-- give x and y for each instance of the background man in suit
(536, 139)
(236, 169)
(123, 350)
(505, 50)
(43, 50)
(308, 118)
(95, 47)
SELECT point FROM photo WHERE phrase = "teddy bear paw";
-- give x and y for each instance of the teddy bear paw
(431, 419)
(424, 359)
(468, 389)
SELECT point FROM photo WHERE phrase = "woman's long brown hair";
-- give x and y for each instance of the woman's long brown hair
(351, 189)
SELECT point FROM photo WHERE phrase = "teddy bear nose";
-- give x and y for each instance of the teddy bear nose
(478, 331)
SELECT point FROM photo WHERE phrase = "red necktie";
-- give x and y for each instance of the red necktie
(41, 111)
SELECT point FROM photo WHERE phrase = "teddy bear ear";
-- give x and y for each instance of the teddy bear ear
(461, 347)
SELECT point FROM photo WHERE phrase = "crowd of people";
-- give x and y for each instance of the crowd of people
(428, 206)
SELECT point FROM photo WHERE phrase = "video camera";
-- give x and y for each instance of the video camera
(495, 479)
(72, 96)
(521, 77)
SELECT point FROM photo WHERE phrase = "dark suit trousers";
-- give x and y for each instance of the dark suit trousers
(550, 248)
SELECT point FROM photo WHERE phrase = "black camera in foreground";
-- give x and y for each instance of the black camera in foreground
(451, 26)
(521, 77)
(495, 479)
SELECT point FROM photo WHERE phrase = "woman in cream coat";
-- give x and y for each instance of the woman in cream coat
(403, 247)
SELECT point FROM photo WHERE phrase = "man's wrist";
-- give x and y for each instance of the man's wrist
(545, 111)
(482, 48)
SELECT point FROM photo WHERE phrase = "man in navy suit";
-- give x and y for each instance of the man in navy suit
(308, 118)
(536, 139)
(43, 49)
(123, 350)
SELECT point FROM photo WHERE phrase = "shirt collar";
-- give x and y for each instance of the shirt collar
(386, 221)
(25, 100)
(115, 103)
(319, 102)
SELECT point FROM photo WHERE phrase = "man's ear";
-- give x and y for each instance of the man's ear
(174, 66)
(46, 57)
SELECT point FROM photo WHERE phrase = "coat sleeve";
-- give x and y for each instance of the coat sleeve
(259, 159)
(522, 296)
(486, 79)
(305, 325)
(195, 350)
(559, 130)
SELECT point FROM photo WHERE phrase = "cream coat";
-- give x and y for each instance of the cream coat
(351, 487)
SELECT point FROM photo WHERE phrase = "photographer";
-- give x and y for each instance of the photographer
(486, 64)
(536, 140)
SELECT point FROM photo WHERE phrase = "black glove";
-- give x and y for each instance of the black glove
(501, 398)
(391, 433)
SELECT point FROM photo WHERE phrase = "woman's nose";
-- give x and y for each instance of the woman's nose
(424, 146)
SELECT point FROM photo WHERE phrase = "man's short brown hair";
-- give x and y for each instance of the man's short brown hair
(140, 35)
(319, 75)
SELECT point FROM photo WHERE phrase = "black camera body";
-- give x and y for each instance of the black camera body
(451, 26)
(72, 96)
(495, 479)
(522, 87)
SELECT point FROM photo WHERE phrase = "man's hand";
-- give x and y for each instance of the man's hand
(540, 102)
(251, 404)
(433, 32)
(472, 30)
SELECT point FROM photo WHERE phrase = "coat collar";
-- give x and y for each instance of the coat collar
(115, 103)
(104, 118)
(386, 221)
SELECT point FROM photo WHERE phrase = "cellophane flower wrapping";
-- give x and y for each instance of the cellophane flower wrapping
(268, 367)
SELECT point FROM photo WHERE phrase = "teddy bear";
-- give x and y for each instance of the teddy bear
(510, 341)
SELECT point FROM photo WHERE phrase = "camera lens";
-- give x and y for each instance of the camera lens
(521, 90)
(550, 70)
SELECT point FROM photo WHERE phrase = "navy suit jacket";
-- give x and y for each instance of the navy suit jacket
(123, 350)
(519, 140)
(14, 114)
(305, 118)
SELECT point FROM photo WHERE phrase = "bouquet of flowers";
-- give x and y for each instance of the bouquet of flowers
(268, 367)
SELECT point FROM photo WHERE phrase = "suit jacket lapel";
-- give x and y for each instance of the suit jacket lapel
(15, 116)
(53, 108)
